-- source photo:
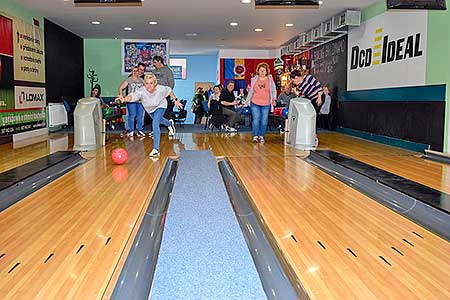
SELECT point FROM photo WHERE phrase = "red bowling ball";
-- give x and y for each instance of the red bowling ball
(119, 156)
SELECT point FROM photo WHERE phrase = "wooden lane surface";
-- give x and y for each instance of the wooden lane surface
(20, 153)
(230, 145)
(398, 161)
(79, 212)
(297, 199)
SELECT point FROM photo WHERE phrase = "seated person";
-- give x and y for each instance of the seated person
(285, 97)
(215, 109)
(96, 94)
(197, 107)
(229, 102)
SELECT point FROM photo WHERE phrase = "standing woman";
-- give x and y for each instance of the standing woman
(135, 111)
(153, 98)
(262, 97)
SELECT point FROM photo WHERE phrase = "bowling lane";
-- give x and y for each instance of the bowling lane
(22, 152)
(65, 240)
(398, 161)
(346, 245)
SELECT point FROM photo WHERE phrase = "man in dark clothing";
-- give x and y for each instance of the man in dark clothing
(164, 76)
(228, 102)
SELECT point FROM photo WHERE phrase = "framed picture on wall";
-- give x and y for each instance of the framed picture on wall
(178, 66)
(136, 51)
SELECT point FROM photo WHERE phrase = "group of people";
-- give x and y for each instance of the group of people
(261, 97)
(152, 93)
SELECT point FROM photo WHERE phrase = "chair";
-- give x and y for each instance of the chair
(179, 117)
(208, 115)
(69, 111)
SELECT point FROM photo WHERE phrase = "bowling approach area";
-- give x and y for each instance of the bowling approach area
(219, 217)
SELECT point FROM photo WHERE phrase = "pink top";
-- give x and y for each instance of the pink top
(261, 95)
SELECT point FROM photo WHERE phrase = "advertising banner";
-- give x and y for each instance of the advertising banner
(388, 51)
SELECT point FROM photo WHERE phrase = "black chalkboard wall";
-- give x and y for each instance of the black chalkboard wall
(329, 66)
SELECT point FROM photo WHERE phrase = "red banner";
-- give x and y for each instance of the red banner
(6, 46)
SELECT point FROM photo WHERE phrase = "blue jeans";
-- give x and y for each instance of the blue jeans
(158, 118)
(260, 117)
(135, 111)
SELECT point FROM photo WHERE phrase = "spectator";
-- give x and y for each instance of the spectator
(164, 75)
(135, 111)
(229, 102)
(197, 107)
(285, 97)
(96, 91)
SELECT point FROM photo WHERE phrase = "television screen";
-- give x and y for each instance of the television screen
(416, 4)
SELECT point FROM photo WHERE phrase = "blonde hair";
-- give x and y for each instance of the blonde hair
(151, 76)
(263, 65)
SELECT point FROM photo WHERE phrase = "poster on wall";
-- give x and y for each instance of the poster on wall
(178, 66)
(388, 51)
(29, 61)
(22, 107)
(142, 51)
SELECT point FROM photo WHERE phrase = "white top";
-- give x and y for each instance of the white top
(325, 109)
(152, 101)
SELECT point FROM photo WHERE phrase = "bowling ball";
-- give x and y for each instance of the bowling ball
(120, 174)
(285, 112)
(119, 156)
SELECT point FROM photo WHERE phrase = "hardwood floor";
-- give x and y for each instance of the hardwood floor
(69, 239)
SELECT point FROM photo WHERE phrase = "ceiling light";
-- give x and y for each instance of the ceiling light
(191, 34)
(289, 24)
(234, 24)
(153, 23)
(127, 28)
(95, 22)
(246, 1)
(320, 2)
(258, 29)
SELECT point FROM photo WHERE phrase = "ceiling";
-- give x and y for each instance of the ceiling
(209, 19)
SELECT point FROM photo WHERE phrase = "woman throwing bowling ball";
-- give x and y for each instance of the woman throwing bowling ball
(153, 98)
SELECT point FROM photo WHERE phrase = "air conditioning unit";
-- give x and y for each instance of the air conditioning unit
(298, 43)
(348, 18)
(290, 48)
(308, 39)
(317, 35)
(286, 4)
(108, 3)
(327, 29)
